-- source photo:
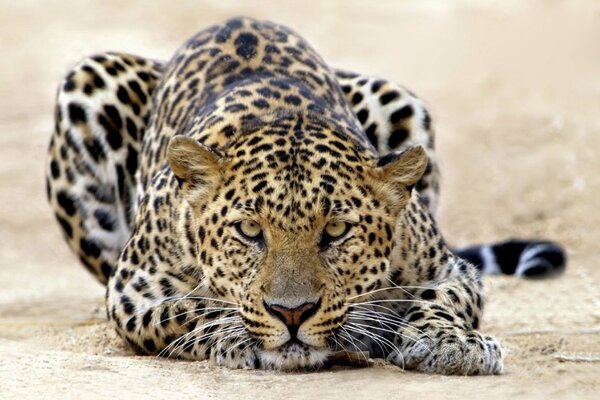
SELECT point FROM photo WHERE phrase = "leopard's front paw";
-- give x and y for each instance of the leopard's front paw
(234, 354)
(451, 352)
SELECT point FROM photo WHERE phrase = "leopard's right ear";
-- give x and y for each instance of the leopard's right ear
(196, 166)
(398, 172)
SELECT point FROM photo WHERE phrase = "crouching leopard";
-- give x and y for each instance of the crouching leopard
(247, 204)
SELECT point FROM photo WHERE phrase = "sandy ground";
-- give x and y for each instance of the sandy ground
(515, 93)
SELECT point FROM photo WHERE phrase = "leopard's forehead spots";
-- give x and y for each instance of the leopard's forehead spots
(303, 172)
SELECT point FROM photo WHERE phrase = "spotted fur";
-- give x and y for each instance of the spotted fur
(155, 166)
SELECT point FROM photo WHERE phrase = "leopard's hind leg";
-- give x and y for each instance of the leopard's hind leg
(102, 109)
(394, 119)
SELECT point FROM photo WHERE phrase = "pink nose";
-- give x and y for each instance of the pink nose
(293, 317)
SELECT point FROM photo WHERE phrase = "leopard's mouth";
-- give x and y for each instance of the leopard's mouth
(294, 355)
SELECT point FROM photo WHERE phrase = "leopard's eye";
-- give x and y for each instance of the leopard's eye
(334, 230)
(249, 229)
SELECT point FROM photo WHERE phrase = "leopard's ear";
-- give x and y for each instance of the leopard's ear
(196, 166)
(400, 171)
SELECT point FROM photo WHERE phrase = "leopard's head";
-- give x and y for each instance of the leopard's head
(294, 222)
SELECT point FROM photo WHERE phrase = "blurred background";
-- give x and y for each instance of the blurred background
(515, 96)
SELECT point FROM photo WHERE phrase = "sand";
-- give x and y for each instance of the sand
(515, 96)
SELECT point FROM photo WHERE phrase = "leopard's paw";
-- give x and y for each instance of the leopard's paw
(230, 354)
(452, 352)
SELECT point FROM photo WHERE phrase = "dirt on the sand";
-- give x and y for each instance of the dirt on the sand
(515, 95)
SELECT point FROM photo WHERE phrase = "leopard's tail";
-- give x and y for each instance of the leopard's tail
(522, 258)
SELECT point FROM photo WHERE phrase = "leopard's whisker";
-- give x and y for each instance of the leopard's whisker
(378, 339)
(193, 311)
(239, 331)
(391, 319)
(374, 335)
(337, 343)
(439, 292)
(412, 338)
(398, 352)
(197, 287)
(397, 322)
(218, 321)
(183, 338)
(368, 327)
(375, 291)
(228, 333)
(175, 344)
(238, 344)
(390, 328)
(168, 299)
(348, 337)
(392, 301)
(208, 324)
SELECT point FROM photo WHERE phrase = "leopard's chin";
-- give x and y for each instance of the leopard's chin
(293, 356)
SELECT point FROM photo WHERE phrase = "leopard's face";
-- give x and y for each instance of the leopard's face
(293, 230)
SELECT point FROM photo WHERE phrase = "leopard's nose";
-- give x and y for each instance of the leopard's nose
(293, 317)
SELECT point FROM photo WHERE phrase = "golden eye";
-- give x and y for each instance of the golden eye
(336, 229)
(249, 229)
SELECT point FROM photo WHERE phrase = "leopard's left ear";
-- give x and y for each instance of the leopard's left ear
(400, 171)
(196, 166)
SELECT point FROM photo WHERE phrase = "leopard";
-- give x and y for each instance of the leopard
(247, 204)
